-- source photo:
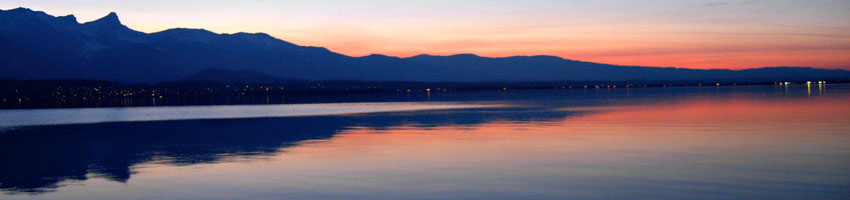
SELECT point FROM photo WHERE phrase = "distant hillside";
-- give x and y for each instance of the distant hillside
(35, 45)
(227, 76)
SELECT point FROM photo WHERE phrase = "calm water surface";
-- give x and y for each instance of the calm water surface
(760, 142)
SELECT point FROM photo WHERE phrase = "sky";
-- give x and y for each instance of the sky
(733, 34)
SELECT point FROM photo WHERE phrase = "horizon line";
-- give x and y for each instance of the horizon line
(113, 13)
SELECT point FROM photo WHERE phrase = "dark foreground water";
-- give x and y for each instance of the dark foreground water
(760, 142)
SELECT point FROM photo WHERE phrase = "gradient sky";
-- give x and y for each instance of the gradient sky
(695, 34)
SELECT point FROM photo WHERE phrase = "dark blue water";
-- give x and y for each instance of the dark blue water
(760, 142)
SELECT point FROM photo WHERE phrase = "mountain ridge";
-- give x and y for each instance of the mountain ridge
(38, 45)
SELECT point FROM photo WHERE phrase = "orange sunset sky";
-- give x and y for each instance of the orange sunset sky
(732, 34)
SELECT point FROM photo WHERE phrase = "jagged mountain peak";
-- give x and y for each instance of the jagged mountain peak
(110, 26)
(110, 19)
(38, 45)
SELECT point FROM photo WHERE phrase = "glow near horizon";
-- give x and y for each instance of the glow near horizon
(694, 34)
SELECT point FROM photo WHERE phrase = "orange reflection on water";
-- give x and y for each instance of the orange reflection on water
(664, 130)
(718, 144)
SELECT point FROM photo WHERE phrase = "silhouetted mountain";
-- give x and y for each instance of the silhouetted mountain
(36, 45)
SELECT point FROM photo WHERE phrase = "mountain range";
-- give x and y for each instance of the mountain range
(36, 45)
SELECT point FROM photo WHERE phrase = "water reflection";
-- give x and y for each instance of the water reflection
(35, 159)
(62, 116)
(758, 142)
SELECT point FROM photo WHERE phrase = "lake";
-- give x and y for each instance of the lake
(744, 142)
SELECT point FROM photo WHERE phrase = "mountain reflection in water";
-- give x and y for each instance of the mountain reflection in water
(729, 142)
